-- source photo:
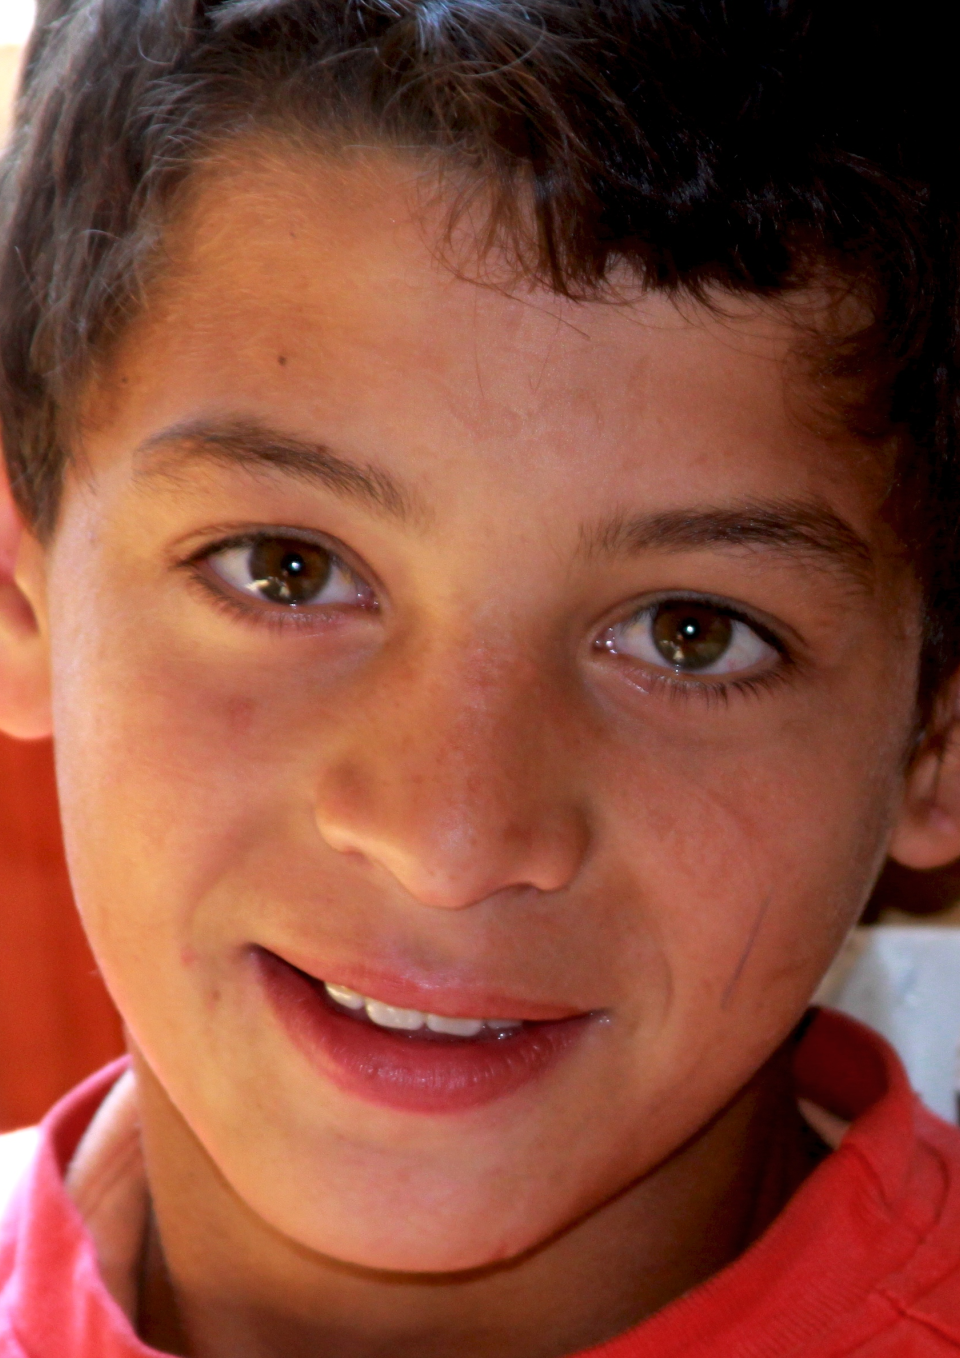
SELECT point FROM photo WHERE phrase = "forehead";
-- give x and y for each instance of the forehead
(326, 292)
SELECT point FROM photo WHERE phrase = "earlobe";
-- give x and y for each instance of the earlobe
(927, 834)
(24, 671)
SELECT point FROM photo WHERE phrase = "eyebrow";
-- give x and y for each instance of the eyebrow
(255, 447)
(804, 530)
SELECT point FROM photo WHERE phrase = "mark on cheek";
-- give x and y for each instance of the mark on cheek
(747, 950)
(238, 714)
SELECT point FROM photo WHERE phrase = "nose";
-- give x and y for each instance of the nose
(455, 784)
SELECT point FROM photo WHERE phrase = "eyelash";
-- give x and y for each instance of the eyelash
(275, 618)
(688, 688)
(719, 694)
(671, 686)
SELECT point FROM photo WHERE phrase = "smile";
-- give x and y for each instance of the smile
(414, 1020)
(411, 1059)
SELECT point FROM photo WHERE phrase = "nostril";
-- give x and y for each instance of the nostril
(450, 842)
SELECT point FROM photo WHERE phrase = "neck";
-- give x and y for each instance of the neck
(220, 1283)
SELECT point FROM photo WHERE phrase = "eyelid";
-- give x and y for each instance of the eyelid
(218, 539)
(245, 606)
(719, 688)
(687, 687)
(766, 631)
(221, 537)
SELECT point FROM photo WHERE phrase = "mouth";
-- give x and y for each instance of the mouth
(412, 1059)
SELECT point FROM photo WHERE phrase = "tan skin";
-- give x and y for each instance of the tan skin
(485, 776)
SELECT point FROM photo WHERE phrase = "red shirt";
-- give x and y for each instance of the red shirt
(863, 1262)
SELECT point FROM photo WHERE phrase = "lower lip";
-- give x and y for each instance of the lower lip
(404, 1071)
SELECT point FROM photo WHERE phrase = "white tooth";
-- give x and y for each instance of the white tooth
(455, 1027)
(342, 995)
(502, 1023)
(389, 1017)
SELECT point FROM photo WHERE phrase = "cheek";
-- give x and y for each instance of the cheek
(751, 857)
(169, 771)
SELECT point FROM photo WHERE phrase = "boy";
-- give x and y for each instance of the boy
(485, 543)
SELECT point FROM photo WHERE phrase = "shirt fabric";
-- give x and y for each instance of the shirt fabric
(863, 1262)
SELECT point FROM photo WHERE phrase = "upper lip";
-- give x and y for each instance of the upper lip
(447, 996)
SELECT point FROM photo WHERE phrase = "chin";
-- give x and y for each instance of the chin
(431, 1252)
(455, 1232)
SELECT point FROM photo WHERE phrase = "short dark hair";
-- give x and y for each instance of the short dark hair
(742, 144)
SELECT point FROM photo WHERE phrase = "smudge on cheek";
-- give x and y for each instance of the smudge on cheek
(748, 947)
(238, 714)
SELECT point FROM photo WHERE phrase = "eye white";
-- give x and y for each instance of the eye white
(745, 651)
(234, 566)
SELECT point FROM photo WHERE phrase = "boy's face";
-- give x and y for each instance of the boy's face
(591, 711)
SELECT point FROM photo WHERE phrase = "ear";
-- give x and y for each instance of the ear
(927, 833)
(24, 670)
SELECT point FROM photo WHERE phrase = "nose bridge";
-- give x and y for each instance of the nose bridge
(454, 786)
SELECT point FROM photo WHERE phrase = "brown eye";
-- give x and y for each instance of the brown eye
(293, 572)
(691, 637)
(289, 572)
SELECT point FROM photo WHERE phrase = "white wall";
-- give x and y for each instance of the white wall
(16, 17)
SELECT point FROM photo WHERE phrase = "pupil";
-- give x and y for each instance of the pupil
(690, 637)
(288, 572)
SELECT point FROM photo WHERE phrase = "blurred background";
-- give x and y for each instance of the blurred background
(900, 971)
(56, 1021)
(16, 19)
